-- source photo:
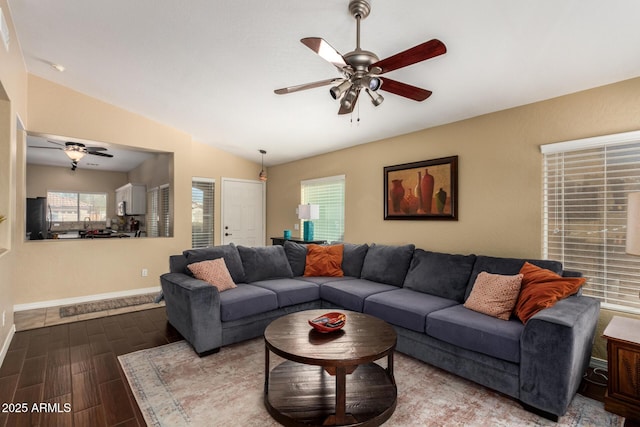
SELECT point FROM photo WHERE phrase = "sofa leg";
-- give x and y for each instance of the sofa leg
(208, 352)
(540, 412)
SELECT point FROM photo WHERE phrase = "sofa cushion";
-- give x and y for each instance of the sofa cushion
(351, 294)
(541, 289)
(404, 307)
(264, 262)
(228, 252)
(213, 271)
(246, 300)
(324, 260)
(478, 332)
(297, 256)
(443, 275)
(507, 266)
(494, 294)
(353, 259)
(291, 291)
(387, 264)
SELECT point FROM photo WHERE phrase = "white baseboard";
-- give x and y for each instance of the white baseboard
(87, 298)
(7, 343)
(598, 363)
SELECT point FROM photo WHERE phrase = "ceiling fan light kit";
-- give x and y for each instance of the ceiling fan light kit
(76, 151)
(360, 69)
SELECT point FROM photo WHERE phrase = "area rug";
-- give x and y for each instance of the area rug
(174, 387)
(107, 304)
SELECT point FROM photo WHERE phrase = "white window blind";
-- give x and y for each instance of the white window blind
(165, 212)
(328, 193)
(202, 204)
(153, 212)
(586, 184)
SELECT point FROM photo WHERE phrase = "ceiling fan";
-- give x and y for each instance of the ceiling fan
(360, 69)
(76, 151)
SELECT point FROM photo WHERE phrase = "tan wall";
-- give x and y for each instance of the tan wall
(500, 174)
(51, 270)
(13, 104)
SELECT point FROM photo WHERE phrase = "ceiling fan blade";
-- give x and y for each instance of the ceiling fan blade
(410, 56)
(306, 86)
(403, 89)
(98, 153)
(49, 148)
(55, 142)
(325, 50)
(343, 110)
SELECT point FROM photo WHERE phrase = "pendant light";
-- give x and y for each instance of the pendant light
(263, 174)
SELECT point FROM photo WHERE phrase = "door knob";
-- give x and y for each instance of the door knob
(227, 234)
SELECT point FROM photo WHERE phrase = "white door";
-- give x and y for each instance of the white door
(243, 212)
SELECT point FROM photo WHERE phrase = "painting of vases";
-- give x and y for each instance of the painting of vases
(422, 190)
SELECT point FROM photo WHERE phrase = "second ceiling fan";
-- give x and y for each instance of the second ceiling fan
(360, 69)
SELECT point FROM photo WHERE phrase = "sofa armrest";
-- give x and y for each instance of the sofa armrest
(555, 350)
(193, 308)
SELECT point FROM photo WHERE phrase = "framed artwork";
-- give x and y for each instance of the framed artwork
(422, 190)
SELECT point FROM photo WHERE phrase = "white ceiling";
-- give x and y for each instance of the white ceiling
(209, 67)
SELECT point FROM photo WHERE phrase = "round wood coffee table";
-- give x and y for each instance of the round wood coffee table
(330, 378)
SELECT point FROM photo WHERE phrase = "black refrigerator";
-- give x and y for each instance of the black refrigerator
(37, 223)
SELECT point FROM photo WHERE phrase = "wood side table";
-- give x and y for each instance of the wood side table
(623, 353)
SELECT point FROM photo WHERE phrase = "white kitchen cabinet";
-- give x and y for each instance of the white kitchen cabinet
(134, 197)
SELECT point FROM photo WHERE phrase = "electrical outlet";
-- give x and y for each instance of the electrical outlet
(145, 272)
(296, 226)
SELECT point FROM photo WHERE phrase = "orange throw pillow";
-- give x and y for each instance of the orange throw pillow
(541, 289)
(324, 261)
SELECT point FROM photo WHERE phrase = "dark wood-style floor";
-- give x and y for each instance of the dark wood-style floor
(73, 369)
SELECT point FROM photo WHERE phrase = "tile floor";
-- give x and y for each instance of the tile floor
(40, 317)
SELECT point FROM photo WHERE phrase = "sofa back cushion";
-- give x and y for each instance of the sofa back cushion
(443, 275)
(297, 256)
(507, 266)
(353, 259)
(264, 262)
(228, 252)
(387, 264)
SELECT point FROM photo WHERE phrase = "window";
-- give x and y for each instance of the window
(159, 216)
(202, 197)
(76, 207)
(329, 194)
(586, 184)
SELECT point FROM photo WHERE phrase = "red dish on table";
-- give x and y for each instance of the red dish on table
(329, 322)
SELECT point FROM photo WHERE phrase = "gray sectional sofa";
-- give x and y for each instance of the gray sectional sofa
(420, 293)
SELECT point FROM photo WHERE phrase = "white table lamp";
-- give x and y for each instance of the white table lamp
(308, 213)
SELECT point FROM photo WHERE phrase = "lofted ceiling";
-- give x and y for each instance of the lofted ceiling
(209, 68)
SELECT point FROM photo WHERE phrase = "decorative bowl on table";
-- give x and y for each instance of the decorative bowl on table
(329, 322)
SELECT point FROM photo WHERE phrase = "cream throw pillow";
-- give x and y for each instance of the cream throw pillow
(494, 294)
(215, 272)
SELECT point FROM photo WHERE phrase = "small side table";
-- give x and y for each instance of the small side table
(280, 241)
(623, 353)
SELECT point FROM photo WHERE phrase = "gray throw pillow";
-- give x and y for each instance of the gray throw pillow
(440, 274)
(387, 264)
(228, 252)
(353, 259)
(264, 262)
(297, 256)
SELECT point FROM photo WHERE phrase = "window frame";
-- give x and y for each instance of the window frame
(320, 230)
(78, 194)
(572, 222)
(204, 238)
